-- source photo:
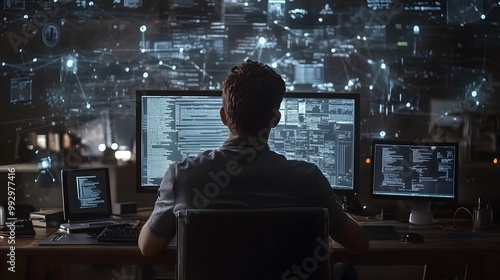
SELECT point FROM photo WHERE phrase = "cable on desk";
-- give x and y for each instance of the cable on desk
(454, 225)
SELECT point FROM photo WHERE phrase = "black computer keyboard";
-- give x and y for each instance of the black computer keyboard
(119, 234)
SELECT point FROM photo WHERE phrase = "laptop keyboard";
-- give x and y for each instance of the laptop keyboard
(101, 223)
(119, 234)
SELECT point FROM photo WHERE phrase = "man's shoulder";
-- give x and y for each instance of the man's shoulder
(207, 156)
(301, 164)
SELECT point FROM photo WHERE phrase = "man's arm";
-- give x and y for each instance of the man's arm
(150, 244)
(352, 237)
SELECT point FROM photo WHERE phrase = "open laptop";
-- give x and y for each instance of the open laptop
(86, 200)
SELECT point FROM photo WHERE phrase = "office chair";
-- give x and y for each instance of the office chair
(256, 244)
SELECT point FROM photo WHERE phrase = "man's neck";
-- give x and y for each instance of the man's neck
(255, 137)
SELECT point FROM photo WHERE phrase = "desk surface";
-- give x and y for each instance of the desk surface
(438, 248)
(436, 239)
(439, 239)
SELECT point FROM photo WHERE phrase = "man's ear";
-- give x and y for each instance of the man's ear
(223, 115)
(276, 119)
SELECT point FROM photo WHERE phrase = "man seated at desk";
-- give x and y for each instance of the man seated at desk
(258, 177)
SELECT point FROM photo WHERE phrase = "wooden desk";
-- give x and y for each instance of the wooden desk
(39, 259)
(441, 255)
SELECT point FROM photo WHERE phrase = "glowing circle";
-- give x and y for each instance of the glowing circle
(101, 147)
(262, 40)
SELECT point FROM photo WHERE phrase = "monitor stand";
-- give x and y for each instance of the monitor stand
(421, 213)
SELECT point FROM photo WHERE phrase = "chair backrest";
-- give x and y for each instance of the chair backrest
(239, 244)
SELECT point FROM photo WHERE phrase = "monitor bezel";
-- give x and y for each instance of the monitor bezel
(334, 95)
(373, 195)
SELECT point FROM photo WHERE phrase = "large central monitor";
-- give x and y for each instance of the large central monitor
(321, 128)
(420, 172)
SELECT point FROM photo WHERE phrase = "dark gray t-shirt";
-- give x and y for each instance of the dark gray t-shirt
(243, 173)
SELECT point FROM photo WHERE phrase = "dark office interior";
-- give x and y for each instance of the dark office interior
(425, 71)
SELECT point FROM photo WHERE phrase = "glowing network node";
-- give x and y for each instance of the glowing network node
(416, 29)
(262, 41)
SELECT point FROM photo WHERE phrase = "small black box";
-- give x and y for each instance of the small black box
(120, 208)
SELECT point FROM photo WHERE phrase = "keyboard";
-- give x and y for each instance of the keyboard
(119, 234)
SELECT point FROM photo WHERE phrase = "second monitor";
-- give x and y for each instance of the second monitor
(420, 172)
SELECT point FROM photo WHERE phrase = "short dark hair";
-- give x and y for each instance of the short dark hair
(252, 93)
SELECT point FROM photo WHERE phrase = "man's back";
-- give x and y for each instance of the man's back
(241, 175)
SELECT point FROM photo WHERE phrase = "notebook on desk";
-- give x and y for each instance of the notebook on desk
(87, 200)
